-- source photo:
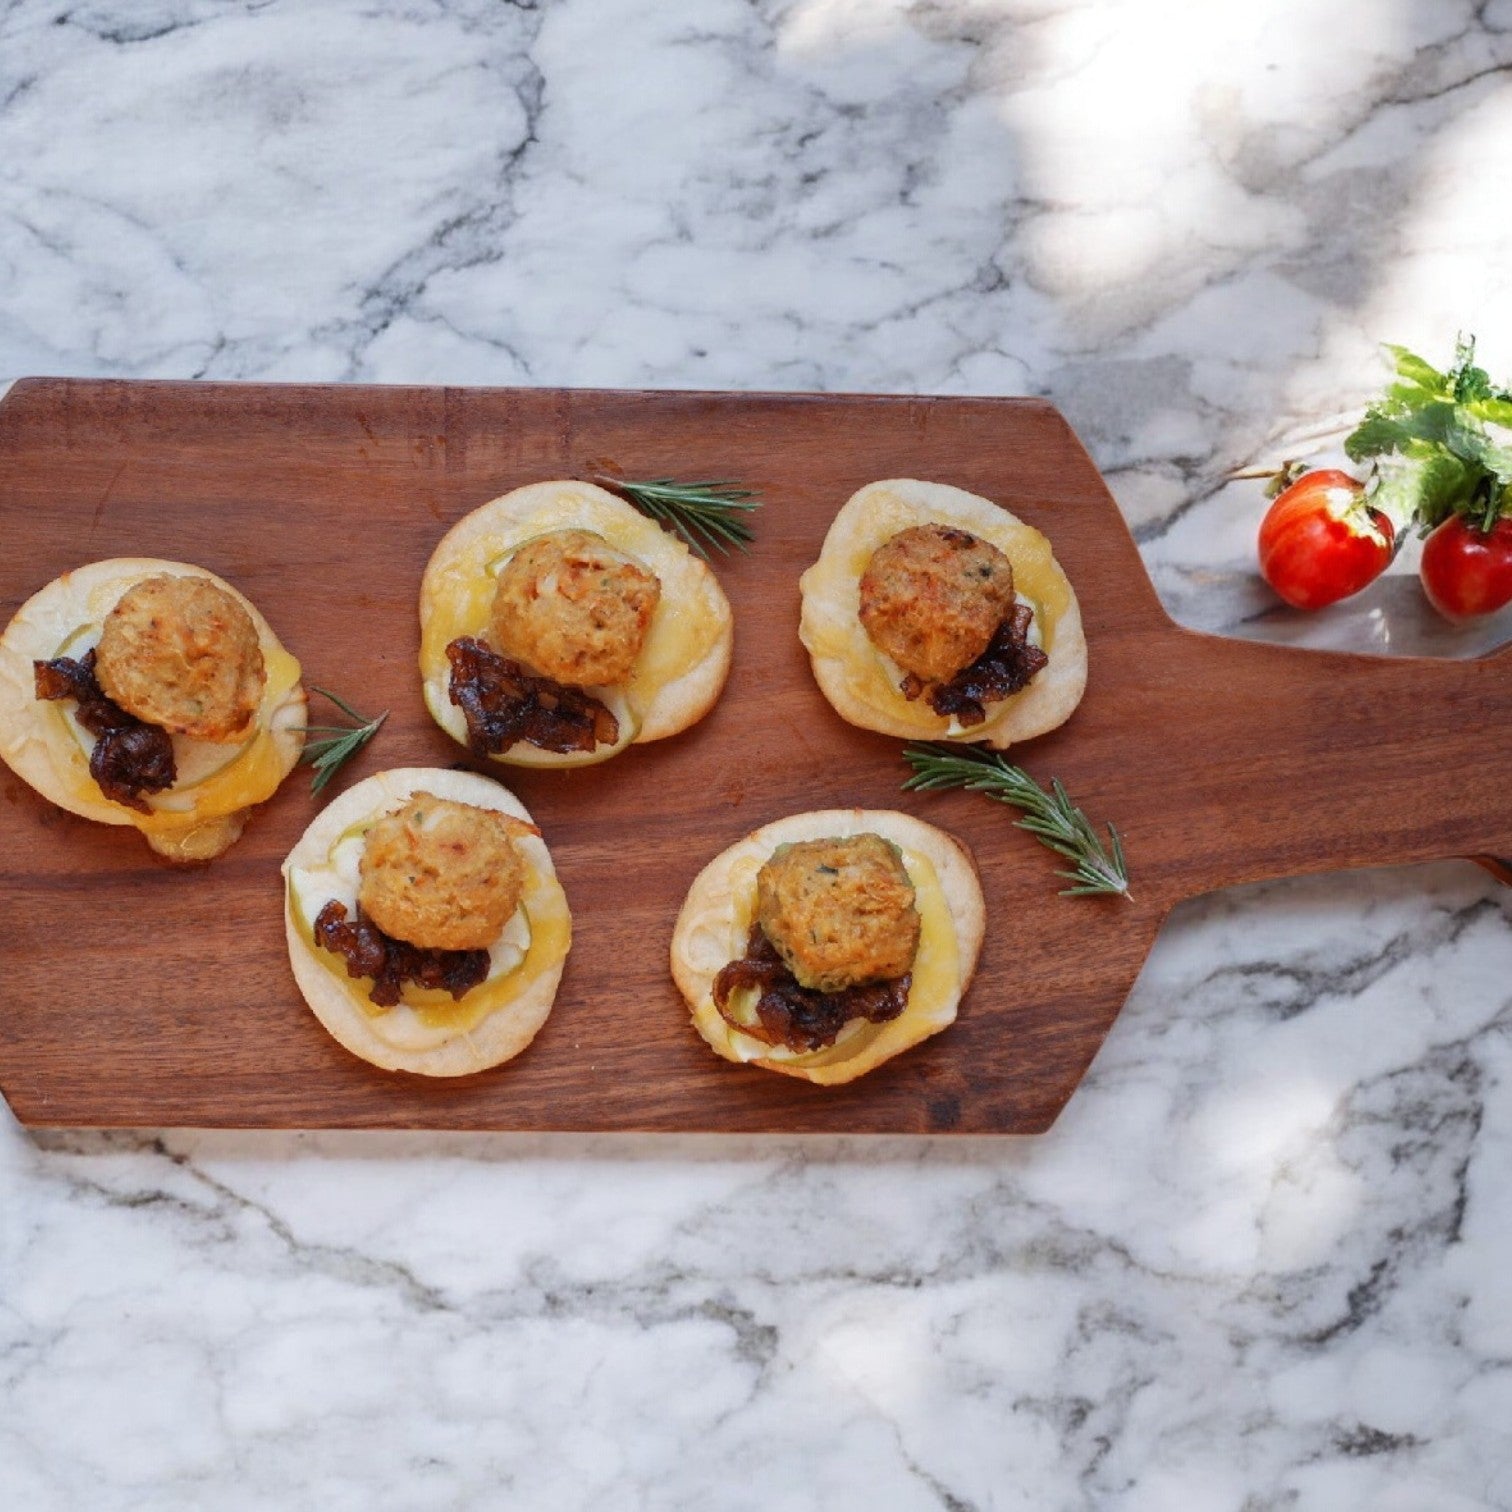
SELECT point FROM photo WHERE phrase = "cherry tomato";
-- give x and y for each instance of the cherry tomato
(1466, 572)
(1319, 543)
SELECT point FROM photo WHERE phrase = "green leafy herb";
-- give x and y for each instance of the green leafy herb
(1441, 442)
(703, 514)
(338, 742)
(1096, 870)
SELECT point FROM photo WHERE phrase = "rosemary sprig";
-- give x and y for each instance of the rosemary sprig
(338, 742)
(1096, 870)
(703, 514)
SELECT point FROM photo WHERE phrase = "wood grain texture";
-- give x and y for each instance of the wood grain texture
(139, 995)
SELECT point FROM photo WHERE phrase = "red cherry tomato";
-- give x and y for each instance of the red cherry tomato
(1466, 572)
(1319, 543)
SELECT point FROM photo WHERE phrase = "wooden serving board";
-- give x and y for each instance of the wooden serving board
(136, 994)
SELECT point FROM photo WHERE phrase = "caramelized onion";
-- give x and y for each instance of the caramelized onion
(504, 703)
(391, 963)
(1006, 666)
(796, 1016)
(130, 757)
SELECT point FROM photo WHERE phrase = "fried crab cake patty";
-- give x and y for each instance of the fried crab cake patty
(839, 911)
(442, 875)
(182, 653)
(932, 596)
(571, 606)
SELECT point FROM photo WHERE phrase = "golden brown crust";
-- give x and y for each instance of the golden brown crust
(186, 824)
(199, 842)
(574, 609)
(179, 652)
(839, 911)
(400, 1040)
(668, 691)
(846, 665)
(931, 597)
(440, 874)
(710, 932)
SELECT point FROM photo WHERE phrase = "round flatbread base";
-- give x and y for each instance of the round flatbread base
(504, 1033)
(845, 662)
(37, 747)
(708, 935)
(689, 593)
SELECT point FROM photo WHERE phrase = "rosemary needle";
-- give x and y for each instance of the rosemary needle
(703, 514)
(338, 742)
(1096, 870)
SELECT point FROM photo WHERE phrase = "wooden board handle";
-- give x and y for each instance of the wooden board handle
(1295, 761)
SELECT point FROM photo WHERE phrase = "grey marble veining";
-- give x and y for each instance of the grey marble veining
(1259, 1262)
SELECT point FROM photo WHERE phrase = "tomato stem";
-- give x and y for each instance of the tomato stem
(1284, 476)
(1492, 511)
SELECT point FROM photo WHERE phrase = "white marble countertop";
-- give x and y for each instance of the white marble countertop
(1260, 1261)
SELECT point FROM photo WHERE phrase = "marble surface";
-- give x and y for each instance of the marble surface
(1260, 1261)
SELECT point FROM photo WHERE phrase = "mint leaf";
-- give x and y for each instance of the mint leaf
(1377, 435)
(1498, 460)
(1468, 382)
(1495, 410)
(1429, 438)
(1428, 489)
(1417, 372)
(1472, 383)
(1464, 435)
(1412, 430)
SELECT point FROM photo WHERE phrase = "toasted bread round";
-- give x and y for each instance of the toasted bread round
(686, 655)
(487, 1026)
(205, 810)
(852, 673)
(715, 920)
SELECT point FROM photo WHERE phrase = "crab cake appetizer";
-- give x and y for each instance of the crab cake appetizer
(826, 943)
(933, 614)
(426, 926)
(559, 625)
(137, 691)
